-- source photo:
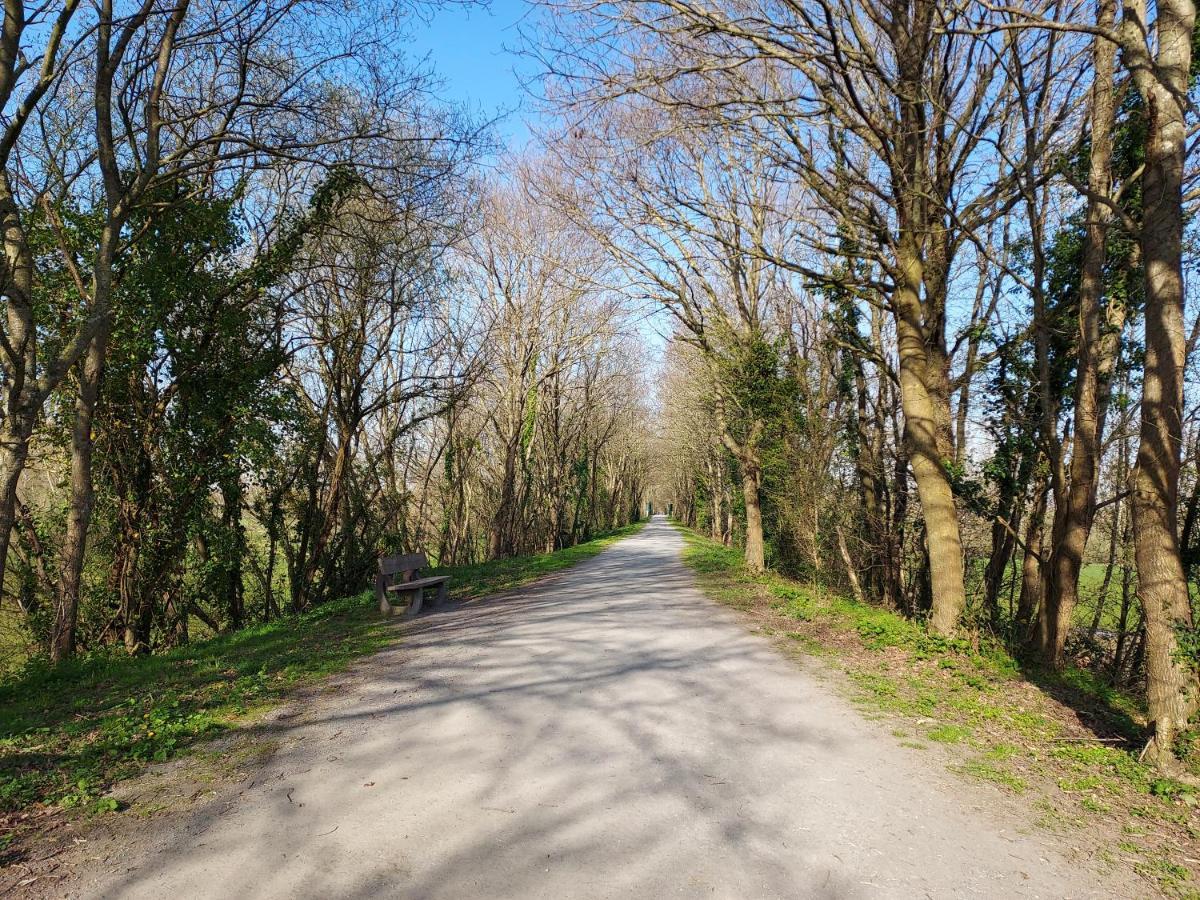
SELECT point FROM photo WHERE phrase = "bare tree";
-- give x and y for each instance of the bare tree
(1159, 61)
(696, 218)
(894, 116)
(1100, 328)
(539, 282)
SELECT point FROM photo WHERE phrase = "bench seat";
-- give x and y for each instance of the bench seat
(418, 583)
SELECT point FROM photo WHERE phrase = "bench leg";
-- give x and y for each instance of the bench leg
(414, 605)
(441, 594)
(384, 607)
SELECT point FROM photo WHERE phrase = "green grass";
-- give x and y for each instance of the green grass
(949, 734)
(878, 628)
(68, 732)
(973, 673)
(987, 772)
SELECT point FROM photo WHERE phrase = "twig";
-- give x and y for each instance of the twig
(1095, 740)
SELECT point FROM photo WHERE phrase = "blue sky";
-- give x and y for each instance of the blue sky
(470, 49)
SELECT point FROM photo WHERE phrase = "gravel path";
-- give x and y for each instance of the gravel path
(607, 733)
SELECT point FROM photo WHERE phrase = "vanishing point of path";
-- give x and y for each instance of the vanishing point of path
(608, 733)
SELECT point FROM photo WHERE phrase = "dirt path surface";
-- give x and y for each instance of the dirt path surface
(607, 733)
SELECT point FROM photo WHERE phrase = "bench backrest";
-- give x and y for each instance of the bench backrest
(404, 564)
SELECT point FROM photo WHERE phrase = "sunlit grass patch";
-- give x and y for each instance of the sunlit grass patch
(949, 734)
(66, 732)
(987, 772)
(709, 557)
(1002, 752)
(793, 601)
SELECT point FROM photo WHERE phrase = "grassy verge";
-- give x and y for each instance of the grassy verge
(67, 733)
(469, 582)
(1066, 742)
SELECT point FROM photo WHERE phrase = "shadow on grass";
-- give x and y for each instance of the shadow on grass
(67, 732)
(1106, 712)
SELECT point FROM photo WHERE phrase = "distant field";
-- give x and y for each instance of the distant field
(1090, 580)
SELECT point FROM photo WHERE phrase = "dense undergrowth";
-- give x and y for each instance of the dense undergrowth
(68, 732)
(1065, 741)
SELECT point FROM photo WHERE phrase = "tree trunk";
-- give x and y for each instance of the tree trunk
(231, 521)
(1004, 529)
(727, 523)
(1127, 594)
(305, 591)
(20, 353)
(921, 265)
(714, 513)
(1170, 681)
(746, 452)
(896, 530)
(1099, 347)
(869, 476)
(14, 451)
(1032, 587)
(79, 512)
(755, 558)
(921, 418)
(848, 561)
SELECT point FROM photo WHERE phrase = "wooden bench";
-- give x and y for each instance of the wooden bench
(398, 575)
